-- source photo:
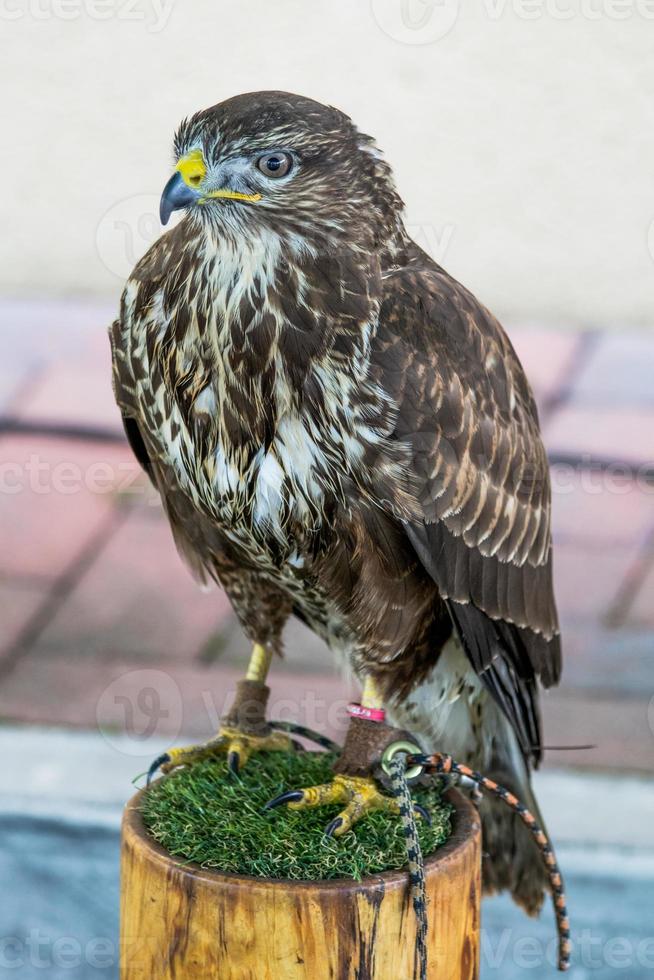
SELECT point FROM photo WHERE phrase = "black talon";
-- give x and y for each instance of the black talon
(158, 762)
(290, 796)
(333, 826)
(233, 763)
(425, 814)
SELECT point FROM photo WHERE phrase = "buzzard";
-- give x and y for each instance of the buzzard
(340, 431)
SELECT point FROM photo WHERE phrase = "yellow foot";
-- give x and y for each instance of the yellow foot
(236, 745)
(360, 794)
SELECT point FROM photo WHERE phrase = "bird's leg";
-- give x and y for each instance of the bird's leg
(354, 784)
(242, 731)
(245, 728)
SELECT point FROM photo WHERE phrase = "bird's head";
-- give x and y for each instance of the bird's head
(281, 161)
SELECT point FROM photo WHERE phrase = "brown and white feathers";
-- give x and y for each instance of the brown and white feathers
(338, 429)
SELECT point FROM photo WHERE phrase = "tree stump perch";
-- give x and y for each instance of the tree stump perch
(179, 921)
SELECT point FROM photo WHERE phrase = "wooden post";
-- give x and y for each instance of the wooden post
(179, 922)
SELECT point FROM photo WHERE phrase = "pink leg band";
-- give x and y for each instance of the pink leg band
(371, 714)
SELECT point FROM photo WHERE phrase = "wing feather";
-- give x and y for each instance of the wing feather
(481, 527)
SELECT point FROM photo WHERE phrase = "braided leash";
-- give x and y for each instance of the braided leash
(440, 764)
(397, 773)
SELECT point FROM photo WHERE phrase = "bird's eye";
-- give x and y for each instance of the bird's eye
(275, 164)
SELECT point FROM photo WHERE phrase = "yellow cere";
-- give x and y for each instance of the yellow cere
(192, 168)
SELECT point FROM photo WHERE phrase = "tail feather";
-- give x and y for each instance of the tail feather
(511, 859)
(451, 711)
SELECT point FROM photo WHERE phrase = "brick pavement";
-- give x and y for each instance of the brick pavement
(92, 589)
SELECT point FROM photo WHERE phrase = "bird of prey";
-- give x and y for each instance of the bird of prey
(340, 431)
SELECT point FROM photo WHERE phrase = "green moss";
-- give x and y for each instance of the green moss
(206, 815)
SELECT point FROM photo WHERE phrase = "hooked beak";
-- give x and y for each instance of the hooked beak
(184, 187)
(177, 194)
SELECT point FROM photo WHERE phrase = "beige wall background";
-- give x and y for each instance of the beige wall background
(521, 132)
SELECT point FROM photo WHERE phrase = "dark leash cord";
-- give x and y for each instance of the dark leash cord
(292, 728)
(396, 761)
(397, 767)
(441, 764)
